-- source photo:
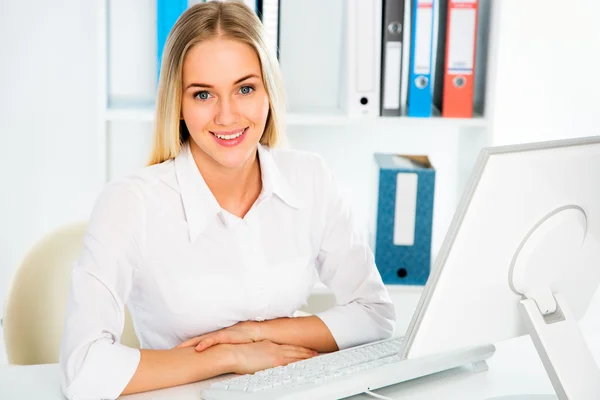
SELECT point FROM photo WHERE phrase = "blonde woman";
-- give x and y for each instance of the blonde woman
(217, 243)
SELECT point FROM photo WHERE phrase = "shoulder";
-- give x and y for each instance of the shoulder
(138, 186)
(295, 163)
(307, 173)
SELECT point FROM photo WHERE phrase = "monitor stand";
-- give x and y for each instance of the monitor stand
(546, 257)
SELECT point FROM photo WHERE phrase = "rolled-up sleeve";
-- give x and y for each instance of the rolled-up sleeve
(93, 363)
(345, 263)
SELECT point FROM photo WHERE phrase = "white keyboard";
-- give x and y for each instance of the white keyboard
(340, 374)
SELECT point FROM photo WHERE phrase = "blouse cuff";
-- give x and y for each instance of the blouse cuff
(352, 325)
(107, 370)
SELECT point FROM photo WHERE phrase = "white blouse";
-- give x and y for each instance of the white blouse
(159, 242)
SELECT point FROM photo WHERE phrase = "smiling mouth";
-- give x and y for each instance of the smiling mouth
(230, 135)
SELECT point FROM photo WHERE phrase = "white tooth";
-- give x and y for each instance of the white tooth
(229, 137)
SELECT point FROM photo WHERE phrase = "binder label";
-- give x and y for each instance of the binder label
(424, 31)
(405, 212)
(391, 85)
(462, 44)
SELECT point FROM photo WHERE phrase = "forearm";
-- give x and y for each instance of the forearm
(166, 368)
(310, 332)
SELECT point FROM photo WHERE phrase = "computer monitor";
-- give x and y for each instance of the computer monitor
(522, 256)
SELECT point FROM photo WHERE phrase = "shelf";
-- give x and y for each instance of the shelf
(144, 112)
(310, 116)
(317, 119)
(130, 111)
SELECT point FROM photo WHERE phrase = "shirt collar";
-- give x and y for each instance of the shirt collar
(201, 206)
(199, 203)
(274, 182)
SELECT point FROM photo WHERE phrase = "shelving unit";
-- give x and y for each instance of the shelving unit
(144, 111)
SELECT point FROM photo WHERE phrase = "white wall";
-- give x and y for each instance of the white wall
(48, 169)
(545, 81)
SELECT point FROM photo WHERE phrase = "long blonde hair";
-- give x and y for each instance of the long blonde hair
(203, 21)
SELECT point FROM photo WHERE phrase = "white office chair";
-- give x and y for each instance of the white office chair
(35, 308)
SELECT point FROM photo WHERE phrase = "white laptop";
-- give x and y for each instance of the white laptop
(527, 230)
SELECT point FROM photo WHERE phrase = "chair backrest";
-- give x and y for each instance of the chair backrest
(35, 307)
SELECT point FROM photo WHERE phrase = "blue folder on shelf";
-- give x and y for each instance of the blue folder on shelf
(167, 12)
(420, 96)
(406, 188)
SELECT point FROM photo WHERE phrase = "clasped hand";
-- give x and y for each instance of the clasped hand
(253, 352)
(243, 332)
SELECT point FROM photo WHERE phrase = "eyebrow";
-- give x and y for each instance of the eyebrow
(205, 85)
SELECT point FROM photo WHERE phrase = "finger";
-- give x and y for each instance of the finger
(298, 354)
(208, 342)
(292, 347)
(191, 342)
(286, 347)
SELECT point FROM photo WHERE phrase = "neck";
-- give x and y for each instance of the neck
(235, 189)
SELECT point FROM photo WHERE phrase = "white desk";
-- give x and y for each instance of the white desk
(514, 369)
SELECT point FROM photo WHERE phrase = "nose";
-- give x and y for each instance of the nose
(227, 112)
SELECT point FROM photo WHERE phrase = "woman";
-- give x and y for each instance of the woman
(216, 244)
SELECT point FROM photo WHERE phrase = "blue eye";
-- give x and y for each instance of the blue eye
(203, 95)
(246, 90)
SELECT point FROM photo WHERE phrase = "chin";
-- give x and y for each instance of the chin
(232, 158)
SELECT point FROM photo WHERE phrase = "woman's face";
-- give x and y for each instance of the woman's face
(225, 104)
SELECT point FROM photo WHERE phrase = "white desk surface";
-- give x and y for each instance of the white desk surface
(514, 369)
